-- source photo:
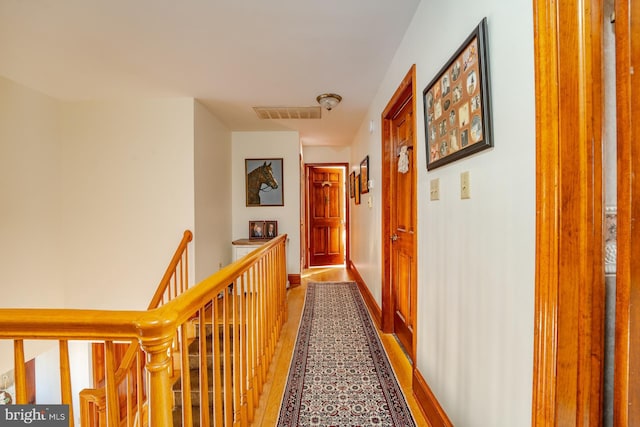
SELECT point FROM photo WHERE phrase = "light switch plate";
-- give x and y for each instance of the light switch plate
(435, 189)
(465, 189)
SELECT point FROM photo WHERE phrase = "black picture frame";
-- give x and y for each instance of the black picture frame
(364, 175)
(457, 103)
(357, 190)
(260, 177)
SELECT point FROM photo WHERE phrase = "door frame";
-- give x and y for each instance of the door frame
(569, 291)
(626, 407)
(307, 221)
(406, 89)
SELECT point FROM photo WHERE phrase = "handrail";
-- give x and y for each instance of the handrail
(246, 298)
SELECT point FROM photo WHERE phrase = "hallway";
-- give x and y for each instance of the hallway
(269, 407)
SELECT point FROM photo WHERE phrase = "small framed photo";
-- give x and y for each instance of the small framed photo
(364, 175)
(352, 184)
(271, 229)
(457, 103)
(257, 230)
(357, 197)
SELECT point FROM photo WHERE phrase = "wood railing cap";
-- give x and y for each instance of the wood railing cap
(49, 323)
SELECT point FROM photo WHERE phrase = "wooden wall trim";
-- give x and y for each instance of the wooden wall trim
(370, 301)
(626, 410)
(547, 224)
(569, 295)
(428, 403)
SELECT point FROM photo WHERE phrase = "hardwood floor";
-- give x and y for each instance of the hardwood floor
(269, 407)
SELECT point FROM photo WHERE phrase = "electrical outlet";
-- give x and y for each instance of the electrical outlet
(465, 189)
(435, 189)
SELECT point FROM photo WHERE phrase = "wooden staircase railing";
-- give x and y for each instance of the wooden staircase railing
(128, 375)
(243, 303)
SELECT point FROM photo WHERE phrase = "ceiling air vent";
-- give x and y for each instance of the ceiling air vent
(270, 113)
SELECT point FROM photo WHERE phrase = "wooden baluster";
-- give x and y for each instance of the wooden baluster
(157, 366)
(226, 354)
(20, 372)
(175, 284)
(270, 306)
(140, 387)
(239, 405)
(184, 268)
(205, 406)
(235, 360)
(256, 330)
(247, 398)
(129, 382)
(185, 377)
(113, 406)
(251, 331)
(65, 379)
(218, 409)
(264, 320)
(283, 284)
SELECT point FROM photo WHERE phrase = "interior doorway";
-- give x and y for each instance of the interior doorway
(326, 214)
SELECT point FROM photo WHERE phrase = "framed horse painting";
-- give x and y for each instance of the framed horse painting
(264, 182)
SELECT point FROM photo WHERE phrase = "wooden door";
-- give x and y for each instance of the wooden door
(326, 216)
(402, 226)
(399, 215)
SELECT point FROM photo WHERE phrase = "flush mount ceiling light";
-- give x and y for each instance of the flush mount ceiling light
(329, 100)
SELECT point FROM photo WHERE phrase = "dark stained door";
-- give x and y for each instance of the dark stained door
(326, 216)
(403, 220)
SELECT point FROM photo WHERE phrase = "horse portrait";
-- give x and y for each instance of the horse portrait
(264, 177)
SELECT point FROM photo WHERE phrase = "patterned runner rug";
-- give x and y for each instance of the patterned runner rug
(340, 374)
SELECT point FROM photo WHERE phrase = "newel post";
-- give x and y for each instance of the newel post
(156, 338)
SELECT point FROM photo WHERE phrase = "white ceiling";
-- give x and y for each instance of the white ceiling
(232, 55)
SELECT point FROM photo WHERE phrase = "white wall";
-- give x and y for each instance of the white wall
(255, 145)
(212, 233)
(30, 192)
(475, 257)
(128, 180)
(30, 232)
(326, 154)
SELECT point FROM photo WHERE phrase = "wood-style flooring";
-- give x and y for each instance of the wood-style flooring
(269, 407)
